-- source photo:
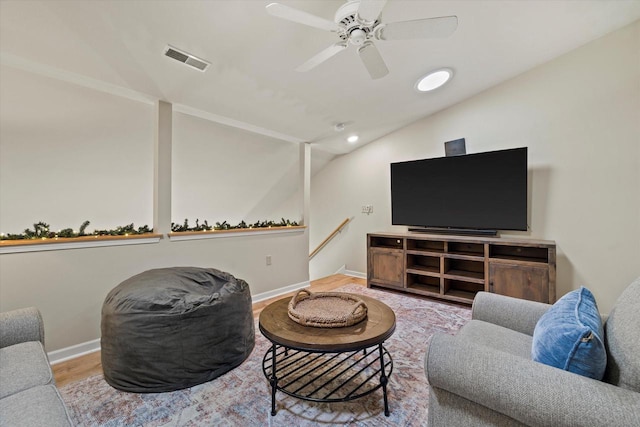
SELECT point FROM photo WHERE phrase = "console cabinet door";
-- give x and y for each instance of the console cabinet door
(520, 281)
(386, 266)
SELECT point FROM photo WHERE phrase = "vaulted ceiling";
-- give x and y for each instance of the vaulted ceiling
(117, 46)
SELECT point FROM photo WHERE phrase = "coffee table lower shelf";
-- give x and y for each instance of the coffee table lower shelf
(327, 376)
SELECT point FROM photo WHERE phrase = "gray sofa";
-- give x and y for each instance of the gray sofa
(484, 375)
(28, 395)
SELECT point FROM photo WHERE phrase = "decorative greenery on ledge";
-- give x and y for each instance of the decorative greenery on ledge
(176, 228)
(41, 232)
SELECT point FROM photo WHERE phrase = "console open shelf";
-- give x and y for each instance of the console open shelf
(456, 268)
(465, 249)
(519, 253)
(424, 264)
(425, 246)
(425, 285)
(387, 242)
(461, 291)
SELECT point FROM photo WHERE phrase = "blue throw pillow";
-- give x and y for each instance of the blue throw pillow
(570, 336)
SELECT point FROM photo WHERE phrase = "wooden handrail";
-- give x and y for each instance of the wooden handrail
(329, 237)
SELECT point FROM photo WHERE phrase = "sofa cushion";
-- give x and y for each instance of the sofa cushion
(496, 337)
(37, 406)
(569, 336)
(23, 366)
(623, 340)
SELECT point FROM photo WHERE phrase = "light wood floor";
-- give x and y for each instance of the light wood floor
(88, 365)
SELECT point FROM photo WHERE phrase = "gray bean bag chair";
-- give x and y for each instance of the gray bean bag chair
(173, 328)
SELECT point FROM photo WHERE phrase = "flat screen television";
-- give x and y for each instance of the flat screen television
(484, 191)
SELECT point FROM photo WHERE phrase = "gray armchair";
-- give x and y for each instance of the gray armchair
(28, 395)
(484, 376)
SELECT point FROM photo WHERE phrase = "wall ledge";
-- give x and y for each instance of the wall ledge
(236, 232)
(62, 243)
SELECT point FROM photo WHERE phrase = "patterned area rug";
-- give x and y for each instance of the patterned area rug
(242, 397)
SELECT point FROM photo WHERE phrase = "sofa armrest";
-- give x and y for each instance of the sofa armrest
(513, 313)
(21, 325)
(527, 391)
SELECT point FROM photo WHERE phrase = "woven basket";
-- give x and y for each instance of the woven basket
(326, 309)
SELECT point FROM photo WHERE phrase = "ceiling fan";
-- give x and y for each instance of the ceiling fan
(358, 22)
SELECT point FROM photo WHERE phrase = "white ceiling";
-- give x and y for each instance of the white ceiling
(117, 46)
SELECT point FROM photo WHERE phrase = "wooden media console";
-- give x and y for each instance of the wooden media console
(457, 267)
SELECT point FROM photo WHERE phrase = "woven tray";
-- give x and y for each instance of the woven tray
(326, 309)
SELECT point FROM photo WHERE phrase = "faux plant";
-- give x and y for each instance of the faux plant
(41, 231)
(226, 226)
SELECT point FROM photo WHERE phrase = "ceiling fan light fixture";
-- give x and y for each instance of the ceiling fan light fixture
(352, 139)
(434, 80)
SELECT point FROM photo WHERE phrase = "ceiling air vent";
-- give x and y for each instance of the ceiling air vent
(186, 58)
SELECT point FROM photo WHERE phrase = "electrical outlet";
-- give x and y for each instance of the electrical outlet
(268, 259)
(368, 209)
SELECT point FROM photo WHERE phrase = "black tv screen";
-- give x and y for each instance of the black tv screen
(485, 191)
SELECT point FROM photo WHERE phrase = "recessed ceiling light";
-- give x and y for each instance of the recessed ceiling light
(353, 138)
(434, 79)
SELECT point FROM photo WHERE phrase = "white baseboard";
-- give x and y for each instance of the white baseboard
(343, 270)
(73, 351)
(68, 353)
(280, 291)
(355, 274)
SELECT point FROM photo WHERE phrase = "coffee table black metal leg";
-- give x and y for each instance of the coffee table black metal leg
(383, 380)
(273, 380)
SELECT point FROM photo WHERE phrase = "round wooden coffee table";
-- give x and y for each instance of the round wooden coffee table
(327, 364)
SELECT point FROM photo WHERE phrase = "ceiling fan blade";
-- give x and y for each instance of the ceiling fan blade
(369, 10)
(419, 28)
(295, 15)
(373, 61)
(322, 56)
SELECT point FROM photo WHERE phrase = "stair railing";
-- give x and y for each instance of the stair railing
(329, 237)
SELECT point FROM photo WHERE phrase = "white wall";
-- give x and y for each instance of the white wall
(69, 286)
(222, 173)
(71, 153)
(580, 117)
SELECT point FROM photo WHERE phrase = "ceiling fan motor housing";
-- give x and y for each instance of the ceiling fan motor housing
(350, 27)
(347, 10)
